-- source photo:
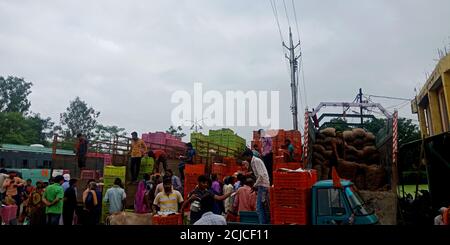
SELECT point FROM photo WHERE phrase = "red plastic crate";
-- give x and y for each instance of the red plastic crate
(229, 161)
(289, 197)
(176, 219)
(290, 215)
(219, 168)
(234, 169)
(88, 174)
(194, 169)
(299, 180)
(278, 159)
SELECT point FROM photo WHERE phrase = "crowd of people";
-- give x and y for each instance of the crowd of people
(159, 192)
(213, 201)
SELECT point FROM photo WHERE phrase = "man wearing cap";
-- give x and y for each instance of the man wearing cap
(66, 184)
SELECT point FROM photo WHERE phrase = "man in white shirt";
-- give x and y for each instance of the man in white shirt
(262, 185)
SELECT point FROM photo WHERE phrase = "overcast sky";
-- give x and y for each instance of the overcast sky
(126, 58)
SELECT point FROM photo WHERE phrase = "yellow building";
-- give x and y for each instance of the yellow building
(434, 101)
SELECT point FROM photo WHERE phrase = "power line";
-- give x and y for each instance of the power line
(275, 13)
(287, 16)
(388, 97)
(303, 79)
(296, 22)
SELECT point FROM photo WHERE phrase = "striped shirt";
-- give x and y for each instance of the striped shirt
(168, 203)
(260, 171)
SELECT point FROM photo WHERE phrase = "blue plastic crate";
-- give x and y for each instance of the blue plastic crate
(248, 217)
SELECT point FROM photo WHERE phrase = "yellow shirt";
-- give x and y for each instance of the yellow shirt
(168, 203)
(138, 148)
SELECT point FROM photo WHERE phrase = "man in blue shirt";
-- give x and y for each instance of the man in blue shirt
(116, 197)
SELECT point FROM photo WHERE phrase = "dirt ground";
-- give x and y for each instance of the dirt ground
(384, 204)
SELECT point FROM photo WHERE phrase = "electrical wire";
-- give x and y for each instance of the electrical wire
(287, 15)
(296, 22)
(275, 13)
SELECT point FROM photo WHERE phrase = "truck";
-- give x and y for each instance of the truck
(329, 205)
(382, 200)
(335, 206)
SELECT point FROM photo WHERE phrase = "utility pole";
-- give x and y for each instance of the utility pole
(293, 61)
(361, 108)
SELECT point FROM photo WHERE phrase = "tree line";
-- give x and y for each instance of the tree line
(20, 125)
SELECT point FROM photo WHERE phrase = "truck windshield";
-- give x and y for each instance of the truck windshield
(356, 203)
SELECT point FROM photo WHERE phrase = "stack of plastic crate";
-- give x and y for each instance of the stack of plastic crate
(290, 196)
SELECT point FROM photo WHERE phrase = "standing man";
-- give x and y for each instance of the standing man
(138, 150)
(290, 150)
(70, 202)
(12, 184)
(66, 183)
(116, 197)
(53, 198)
(266, 154)
(262, 185)
(188, 158)
(176, 182)
(159, 156)
(169, 200)
(81, 149)
(256, 151)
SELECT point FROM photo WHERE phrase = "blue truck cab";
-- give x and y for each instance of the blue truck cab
(339, 206)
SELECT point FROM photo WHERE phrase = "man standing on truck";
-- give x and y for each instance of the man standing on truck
(188, 158)
(138, 150)
(266, 153)
(262, 185)
(159, 156)
(81, 149)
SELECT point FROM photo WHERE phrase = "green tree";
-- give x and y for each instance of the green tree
(339, 124)
(374, 125)
(78, 118)
(14, 93)
(177, 132)
(16, 128)
(106, 133)
(407, 130)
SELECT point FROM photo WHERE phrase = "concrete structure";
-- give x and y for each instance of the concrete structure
(433, 102)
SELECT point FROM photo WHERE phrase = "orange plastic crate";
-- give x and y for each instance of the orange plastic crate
(229, 161)
(278, 160)
(194, 169)
(298, 180)
(176, 219)
(290, 215)
(290, 197)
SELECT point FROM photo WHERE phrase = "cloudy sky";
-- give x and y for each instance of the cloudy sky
(126, 58)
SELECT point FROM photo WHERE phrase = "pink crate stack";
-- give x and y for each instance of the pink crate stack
(156, 140)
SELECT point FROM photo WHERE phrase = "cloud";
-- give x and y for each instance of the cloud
(126, 59)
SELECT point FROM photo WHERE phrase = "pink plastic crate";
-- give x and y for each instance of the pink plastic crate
(8, 213)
